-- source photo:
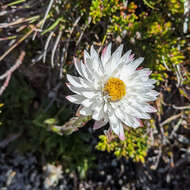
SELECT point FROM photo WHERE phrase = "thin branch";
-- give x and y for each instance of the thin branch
(17, 43)
(55, 47)
(67, 44)
(164, 62)
(181, 107)
(5, 84)
(8, 74)
(186, 14)
(86, 25)
(46, 13)
(44, 19)
(9, 139)
(14, 67)
(175, 128)
(180, 78)
(46, 46)
(155, 166)
(61, 65)
(19, 21)
(170, 119)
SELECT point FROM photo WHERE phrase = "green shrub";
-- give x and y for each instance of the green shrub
(134, 146)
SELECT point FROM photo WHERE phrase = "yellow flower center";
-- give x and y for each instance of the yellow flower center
(115, 88)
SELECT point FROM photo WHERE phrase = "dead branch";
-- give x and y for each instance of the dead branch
(8, 73)
(168, 120)
(181, 107)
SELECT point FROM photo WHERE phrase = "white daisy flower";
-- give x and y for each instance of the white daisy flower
(112, 89)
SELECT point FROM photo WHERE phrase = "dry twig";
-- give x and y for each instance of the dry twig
(181, 107)
(168, 120)
(8, 73)
(55, 47)
(33, 28)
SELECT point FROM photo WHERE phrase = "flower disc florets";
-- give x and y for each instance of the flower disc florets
(115, 88)
(112, 89)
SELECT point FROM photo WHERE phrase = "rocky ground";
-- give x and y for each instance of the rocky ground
(26, 172)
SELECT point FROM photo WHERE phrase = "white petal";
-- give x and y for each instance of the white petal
(153, 93)
(117, 60)
(97, 64)
(138, 90)
(89, 65)
(85, 72)
(125, 58)
(94, 72)
(106, 54)
(87, 102)
(86, 56)
(89, 94)
(126, 118)
(105, 108)
(98, 113)
(123, 117)
(99, 124)
(126, 71)
(74, 89)
(77, 64)
(151, 81)
(135, 112)
(150, 109)
(113, 62)
(134, 64)
(145, 71)
(117, 53)
(129, 120)
(143, 107)
(114, 123)
(86, 84)
(136, 123)
(121, 132)
(75, 81)
(116, 126)
(77, 99)
(85, 111)
(93, 53)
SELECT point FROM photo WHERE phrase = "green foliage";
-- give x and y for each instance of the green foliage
(99, 9)
(73, 150)
(175, 6)
(134, 146)
(17, 101)
(152, 31)
(20, 116)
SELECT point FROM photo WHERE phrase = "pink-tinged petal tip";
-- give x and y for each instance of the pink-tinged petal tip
(67, 84)
(68, 98)
(99, 124)
(75, 60)
(104, 51)
(153, 109)
(148, 73)
(122, 136)
(131, 57)
(140, 122)
(96, 126)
